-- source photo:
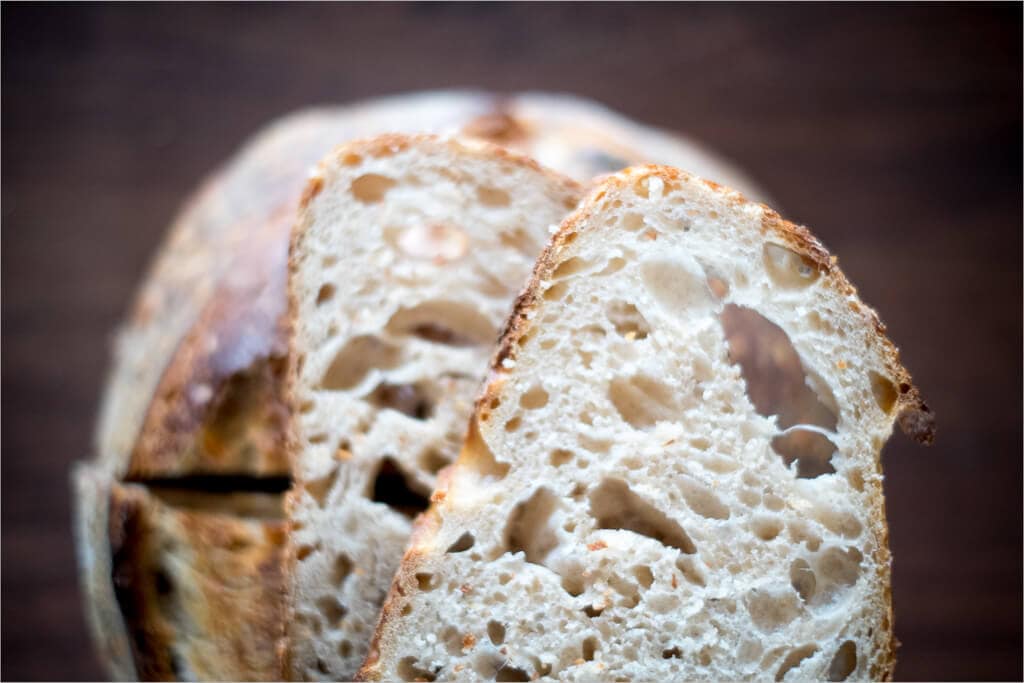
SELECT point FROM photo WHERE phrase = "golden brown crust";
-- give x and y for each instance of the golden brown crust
(201, 592)
(218, 407)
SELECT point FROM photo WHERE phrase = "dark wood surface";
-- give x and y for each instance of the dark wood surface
(894, 131)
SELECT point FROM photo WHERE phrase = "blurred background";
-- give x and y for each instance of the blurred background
(894, 131)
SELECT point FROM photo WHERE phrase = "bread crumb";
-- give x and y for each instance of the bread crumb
(466, 589)
(597, 545)
(468, 641)
(438, 497)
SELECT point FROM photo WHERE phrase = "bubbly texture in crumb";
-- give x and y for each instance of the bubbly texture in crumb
(673, 471)
(407, 257)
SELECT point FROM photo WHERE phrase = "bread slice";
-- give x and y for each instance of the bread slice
(673, 471)
(406, 258)
(199, 580)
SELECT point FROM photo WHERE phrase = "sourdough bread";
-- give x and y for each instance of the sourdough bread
(196, 385)
(406, 258)
(673, 470)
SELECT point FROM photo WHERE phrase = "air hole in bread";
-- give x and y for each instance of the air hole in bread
(321, 666)
(593, 611)
(749, 497)
(342, 569)
(411, 400)
(837, 521)
(356, 358)
(811, 450)
(529, 527)
(410, 670)
(642, 401)
(627, 320)
(672, 653)
(305, 550)
(772, 501)
(437, 243)
(856, 478)
(800, 532)
(320, 488)
(345, 648)
(775, 378)
(370, 188)
(771, 609)
(788, 269)
(462, 544)
(496, 632)
(493, 196)
(614, 265)
(511, 673)
(560, 457)
(477, 455)
(793, 660)
(719, 286)
(572, 579)
(802, 578)
(426, 581)
(392, 487)
(332, 610)
(325, 294)
(535, 398)
(839, 566)
(569, 267)
(766, 528)
(627, 589)
(433, 460)
(687, 566)
(443, 322)
(701, 500)
(318, 438)
(521, 241)
(556, 291)
(513, 424)
(632, 221)
(884, 391)
(678, 286)
(589, 648)
(614, 506)
(844, 662)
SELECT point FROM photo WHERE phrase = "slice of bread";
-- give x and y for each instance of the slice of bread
(406, 258)
(673, 471)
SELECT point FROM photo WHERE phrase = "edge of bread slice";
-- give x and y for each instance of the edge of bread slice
(674, 468)
(406, 259)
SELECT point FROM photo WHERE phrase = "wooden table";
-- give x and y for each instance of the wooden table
(894, 131)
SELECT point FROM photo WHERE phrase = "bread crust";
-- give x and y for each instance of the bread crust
(913, 415)
(220, 616)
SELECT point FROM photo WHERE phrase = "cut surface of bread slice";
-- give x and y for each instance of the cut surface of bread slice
(199, 579)
(406, 258)
(673, 470)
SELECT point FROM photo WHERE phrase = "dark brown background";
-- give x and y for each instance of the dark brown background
(894, 131)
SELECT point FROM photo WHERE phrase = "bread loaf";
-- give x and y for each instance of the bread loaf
(196, 384)
(673, 470)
